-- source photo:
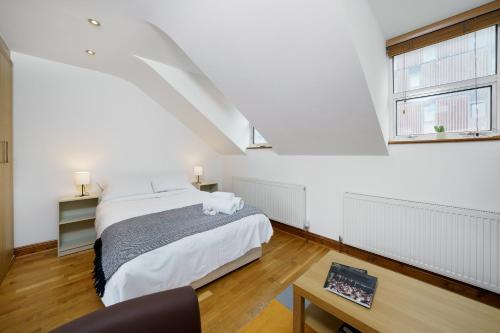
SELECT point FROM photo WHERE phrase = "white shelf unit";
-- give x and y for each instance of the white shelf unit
(76, 224)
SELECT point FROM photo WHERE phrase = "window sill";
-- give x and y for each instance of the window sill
(259, 147)
(452, 139)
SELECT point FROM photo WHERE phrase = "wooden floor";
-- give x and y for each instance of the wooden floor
(42, 291)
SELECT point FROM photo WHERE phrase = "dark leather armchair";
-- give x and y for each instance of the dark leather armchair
(170, 311)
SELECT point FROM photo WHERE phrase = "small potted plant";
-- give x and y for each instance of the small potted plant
(440, 133)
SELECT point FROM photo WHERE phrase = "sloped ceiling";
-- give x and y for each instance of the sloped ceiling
(58, 30)
(397, 17)
(310, 75)
(289, 66)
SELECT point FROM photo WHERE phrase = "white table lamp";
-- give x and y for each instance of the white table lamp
(198, 171)
(82, 178)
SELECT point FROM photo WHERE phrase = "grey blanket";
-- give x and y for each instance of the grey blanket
(123, 241)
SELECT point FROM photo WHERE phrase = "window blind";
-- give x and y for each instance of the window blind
(454, 60)
(462, 24)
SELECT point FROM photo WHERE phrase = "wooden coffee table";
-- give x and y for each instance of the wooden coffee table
(401, 303)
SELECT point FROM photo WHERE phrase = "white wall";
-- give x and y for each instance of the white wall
(68, 118)
(459, 174)
(370, 44)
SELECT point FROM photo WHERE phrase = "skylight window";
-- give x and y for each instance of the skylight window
(257, 140)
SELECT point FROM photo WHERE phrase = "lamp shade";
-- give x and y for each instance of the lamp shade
(198, 170)
(82, 177)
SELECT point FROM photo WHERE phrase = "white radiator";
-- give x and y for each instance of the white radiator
(463, 244)
(281, 202)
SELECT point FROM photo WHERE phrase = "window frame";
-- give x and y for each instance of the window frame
(488, 85)
(254, 145)
(491, 80)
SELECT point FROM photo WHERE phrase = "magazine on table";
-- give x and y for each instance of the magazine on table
(352, 283)
(364, 271)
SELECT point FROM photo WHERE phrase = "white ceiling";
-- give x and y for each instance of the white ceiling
(397, 17)
(299, 70)
(292, 69)
(58, 30)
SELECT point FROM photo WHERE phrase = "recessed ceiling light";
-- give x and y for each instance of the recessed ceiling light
(94, 22)
(90, 52)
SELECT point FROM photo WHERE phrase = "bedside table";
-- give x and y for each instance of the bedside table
(76, 223)
(206, 186)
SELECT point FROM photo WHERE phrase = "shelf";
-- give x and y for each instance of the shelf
(205, 184)
(77, 218)
(76, 223)
(66, 246)
(71, 198)
(74, 237)
(321, 321)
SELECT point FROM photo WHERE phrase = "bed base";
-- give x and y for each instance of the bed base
(248, 257)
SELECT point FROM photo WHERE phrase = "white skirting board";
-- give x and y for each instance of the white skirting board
(281, 202)
(463, 244)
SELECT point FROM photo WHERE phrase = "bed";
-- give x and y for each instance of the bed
(194, 260)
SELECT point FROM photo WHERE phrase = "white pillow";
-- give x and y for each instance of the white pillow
(126, 186)
(170, 182)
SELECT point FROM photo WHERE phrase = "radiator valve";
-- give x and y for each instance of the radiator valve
(307, 226)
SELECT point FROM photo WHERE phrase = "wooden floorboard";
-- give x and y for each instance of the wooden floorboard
(43, 291)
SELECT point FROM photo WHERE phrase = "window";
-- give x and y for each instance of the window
(455, 111)
(257, 140)
(450, 84)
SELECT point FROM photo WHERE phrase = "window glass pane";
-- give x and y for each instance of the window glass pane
(258, 138)
(456, 111)
(450, 61)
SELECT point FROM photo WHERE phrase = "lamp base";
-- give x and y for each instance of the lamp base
(83, 194)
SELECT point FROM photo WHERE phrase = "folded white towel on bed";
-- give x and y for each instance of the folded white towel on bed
(219, 205)
(210, 212)
(215, 204)
(239, 203)
(224, 195)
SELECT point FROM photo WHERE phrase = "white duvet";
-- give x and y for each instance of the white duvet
(181, 262)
